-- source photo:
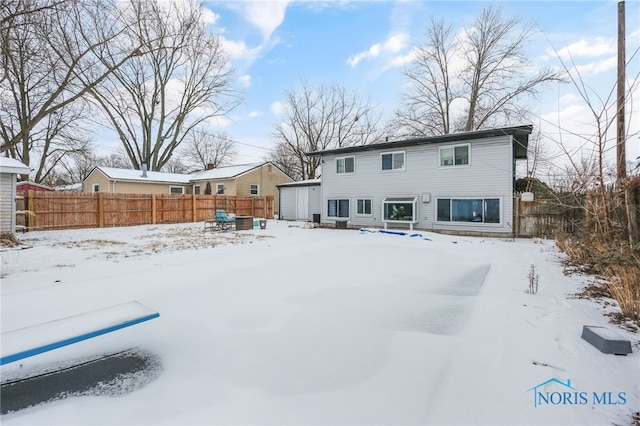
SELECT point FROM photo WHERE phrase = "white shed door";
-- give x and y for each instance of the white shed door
(302, 203)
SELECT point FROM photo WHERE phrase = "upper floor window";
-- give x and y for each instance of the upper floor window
(96, 187)
(393, 160)
(345, 164)
(253, 189)
(454, 155)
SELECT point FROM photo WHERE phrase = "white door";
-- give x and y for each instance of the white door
(302, 203)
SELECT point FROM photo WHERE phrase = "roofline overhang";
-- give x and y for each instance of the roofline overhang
(520, 135)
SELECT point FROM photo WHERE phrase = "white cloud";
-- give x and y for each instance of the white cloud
(589, 48)
(266, 15)
(598, 67)
(278, 107)
(245, 80)
(255, 113)
(388, 49)
(238, 50)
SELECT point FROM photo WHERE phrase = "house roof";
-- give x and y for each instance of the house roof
(11, 165)
(308, 182)
(29, 183)
(227, 172)
(136, 175)
(520, 141)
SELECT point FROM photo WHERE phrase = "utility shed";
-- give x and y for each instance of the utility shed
(300, 200)
(9, 169)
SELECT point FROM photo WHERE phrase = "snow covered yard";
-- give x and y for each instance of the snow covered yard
(289, 325)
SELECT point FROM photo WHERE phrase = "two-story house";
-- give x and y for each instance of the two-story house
(460, 182)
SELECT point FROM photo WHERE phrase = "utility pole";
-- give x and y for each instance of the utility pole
(628, 193)
(621, 137)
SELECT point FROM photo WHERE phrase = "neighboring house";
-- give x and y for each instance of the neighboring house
(260, 179)
(9, 169)
(110, 179)
(300, 200)
(32, 186)
(460, 182)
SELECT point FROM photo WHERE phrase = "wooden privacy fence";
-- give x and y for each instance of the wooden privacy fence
(542, 218)
(67, 210)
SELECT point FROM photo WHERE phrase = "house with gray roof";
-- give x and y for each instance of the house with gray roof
(459, 182)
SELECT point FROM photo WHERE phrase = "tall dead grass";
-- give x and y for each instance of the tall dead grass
(616, 263)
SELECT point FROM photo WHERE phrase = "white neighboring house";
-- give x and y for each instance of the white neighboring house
(9, 169)
(300, 200)
(459, 183)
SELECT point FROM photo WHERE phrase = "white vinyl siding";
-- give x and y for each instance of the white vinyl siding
(7, 202)
(489, 176)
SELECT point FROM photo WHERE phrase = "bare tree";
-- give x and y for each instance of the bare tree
(319, 118)
(203, 149)
(475, 79)
(589, 170)
(181, 81)
(52, 53)
(118, 161)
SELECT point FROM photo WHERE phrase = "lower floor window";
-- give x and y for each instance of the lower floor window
(399, 209)
(176, 190)
(338, 208)
(363, 206)
(480, 210)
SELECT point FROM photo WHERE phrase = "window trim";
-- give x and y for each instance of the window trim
(345, 165)
(453, 147)
(172, 187)
(365, 199)
(338, 200)
(484, 211)
(257, 189)
(401, 200)
(392, 169)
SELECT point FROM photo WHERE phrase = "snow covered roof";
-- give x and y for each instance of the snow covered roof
(308, 182)
(11, 165)
(136, 175)
(226, 172)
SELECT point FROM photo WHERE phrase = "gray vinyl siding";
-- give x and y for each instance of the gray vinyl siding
(287, 203)
(489, 175)
(7, 203)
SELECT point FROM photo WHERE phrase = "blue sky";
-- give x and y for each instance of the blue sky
(364, 46)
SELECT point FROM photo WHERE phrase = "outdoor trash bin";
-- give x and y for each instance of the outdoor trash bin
(263, 223)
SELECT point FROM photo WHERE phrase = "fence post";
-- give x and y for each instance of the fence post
(194, 209)
(153, 209)
(100, 209)
(516, 216)
(30, 205)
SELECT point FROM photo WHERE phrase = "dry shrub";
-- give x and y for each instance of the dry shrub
(9, 240)
(624, 285)
(618, 264)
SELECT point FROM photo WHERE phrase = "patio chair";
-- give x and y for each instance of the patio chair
(223, 221)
